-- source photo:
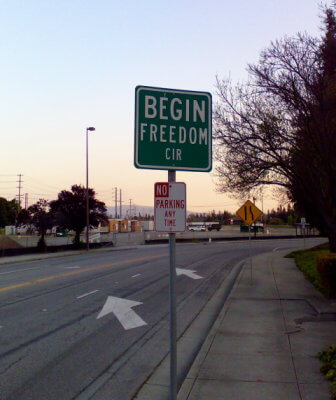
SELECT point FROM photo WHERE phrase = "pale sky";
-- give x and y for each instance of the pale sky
(70, 64)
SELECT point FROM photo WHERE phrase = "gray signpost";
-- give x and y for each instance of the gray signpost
(173, 131)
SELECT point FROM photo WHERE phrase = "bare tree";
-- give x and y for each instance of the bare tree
(279, 127)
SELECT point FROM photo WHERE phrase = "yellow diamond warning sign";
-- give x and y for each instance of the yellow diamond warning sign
(248, 212)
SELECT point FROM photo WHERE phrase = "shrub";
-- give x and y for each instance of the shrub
(326, 266)
(333, 390)
(328, 358)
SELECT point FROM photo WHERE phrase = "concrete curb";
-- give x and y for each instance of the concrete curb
(188, 383)
(191, 341)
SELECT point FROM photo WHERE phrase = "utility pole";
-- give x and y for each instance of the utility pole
(26, 201)
(19, 187)
(120, 204)
(130, 208)
(115, 202)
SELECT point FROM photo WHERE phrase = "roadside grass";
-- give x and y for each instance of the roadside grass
(328, 368)
(306, 262)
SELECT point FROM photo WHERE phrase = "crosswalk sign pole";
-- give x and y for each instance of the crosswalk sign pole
(250, 251)
(249, 213)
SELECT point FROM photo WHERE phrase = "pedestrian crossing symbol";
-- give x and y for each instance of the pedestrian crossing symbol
(248, 212)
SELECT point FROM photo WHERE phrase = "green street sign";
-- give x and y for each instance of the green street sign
(172, 129)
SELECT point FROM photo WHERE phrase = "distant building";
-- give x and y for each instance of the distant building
(116, 225)
(147, 225)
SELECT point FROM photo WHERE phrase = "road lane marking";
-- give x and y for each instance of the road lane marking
(134, 276)
(122, 309)
(87, 294)
(75, 267)
(79, 271)
(191, 274)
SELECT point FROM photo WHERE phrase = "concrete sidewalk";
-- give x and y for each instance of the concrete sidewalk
(264, 343)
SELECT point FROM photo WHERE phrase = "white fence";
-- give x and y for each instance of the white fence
(139, 238)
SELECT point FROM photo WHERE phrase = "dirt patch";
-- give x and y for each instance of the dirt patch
(8, 243)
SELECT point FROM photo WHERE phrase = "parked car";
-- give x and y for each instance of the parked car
(197, 228)
(214, 226)
(61, 234)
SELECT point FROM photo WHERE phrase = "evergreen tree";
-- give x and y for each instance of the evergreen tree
(70, 210)
(8, 212)
(40, 216)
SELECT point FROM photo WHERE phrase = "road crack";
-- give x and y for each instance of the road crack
(13, 363)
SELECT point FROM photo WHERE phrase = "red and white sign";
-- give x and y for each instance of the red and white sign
(170, 207)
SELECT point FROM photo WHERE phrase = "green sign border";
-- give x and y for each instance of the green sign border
(136, 115)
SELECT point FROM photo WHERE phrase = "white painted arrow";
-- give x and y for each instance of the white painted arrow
(122, 309)
(188, 272)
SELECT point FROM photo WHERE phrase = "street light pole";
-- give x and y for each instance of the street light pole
(91, 128)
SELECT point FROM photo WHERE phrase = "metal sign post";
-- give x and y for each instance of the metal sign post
(172, 131)
(172, 306)
(249, 213)
(250, 251)
(170, 217)
(303, 227)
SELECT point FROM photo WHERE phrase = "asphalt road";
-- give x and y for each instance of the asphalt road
(53, 346)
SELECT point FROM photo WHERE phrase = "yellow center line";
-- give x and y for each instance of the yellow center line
(78, 271)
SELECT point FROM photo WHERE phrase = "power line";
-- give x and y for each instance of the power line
(57, 188)
(214, 205)
(37, 198)
(102, 191)
(42, 194)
